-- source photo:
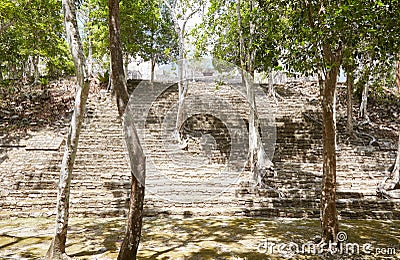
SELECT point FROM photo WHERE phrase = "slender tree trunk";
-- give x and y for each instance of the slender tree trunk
(36, 75)
(257, 158)
(25, 70)
(131, 240)
(1, 72)
(392, 178)
(51, 70)
(350, 87)
(253, 127)
(57, 247)
(116, 57)
(364, 102)
(398, 72)
(110, 82)
(153, 65)
(241, 42)
(126, 65)
(15, 71)
(182, 84)
(396, 168)
(90, 57)
(329, 217)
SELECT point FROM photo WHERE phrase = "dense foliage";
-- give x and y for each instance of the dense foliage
(31, 33)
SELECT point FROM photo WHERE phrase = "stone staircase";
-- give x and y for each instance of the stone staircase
(194, 180)
(298, 162)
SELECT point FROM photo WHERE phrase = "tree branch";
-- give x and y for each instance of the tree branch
(5, 27)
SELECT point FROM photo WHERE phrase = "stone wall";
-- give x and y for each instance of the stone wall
(193, 180)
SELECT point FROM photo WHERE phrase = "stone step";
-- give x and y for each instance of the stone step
(101, 180)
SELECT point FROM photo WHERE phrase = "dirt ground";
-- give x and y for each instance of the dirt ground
(199, 238)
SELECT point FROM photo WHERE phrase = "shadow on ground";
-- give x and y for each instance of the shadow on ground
(190, 238)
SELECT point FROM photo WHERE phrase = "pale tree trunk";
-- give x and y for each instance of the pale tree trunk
(30, 67)
(133, 231)
(182, 84)
(35, 61)
(57, 247)
(392, 179)
(350, 87)
(329, 217)
(398, 72)
(259, 163)
(396, 168)
(25, 70)
(241, 42)
(1, 72)
(90, 57)
(271, 89)
(364, 101)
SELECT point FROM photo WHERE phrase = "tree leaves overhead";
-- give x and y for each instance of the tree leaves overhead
(359, 26)
(146, 29)
(219, 34)
(285, 31)
(30, 28)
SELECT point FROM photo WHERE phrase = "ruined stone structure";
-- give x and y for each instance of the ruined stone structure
(100, 186)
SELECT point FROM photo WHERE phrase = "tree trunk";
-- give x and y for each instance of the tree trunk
(392, 179)
(398, 72)
(110, 83)
(57, 247)
(364, 101)
(1, 72)
(350, 87)
(396, 168)
(258, 160)
(36, 75)
(130, 244)
(241, 42)
(12, 71)
(116, 57)
(153, 65)
(182, 84)
(131, 240)
(90, 56)
(51, 74)
(126, 65)
(329, 217)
